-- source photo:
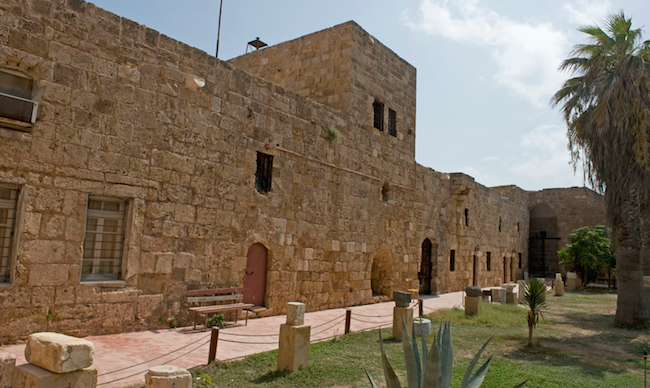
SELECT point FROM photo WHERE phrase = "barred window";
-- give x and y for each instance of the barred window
(104, 241)
(378, 109)
(8, 199)
(392, 123)
(264, 172)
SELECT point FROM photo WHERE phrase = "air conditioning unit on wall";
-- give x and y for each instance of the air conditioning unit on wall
(17, 112)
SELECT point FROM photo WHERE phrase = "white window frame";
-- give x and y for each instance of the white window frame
(102, 215)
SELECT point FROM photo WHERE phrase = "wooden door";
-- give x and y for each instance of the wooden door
(425, 268)
(474, 272)
(255, 280)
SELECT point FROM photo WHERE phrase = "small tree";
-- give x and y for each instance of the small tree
(589, 251)
(535, 300)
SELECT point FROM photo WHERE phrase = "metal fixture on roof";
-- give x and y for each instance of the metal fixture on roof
(255, 45)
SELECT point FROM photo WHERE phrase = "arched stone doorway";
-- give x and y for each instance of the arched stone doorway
(381, 274)
(255, 279)
(543, 241)
(428, 267)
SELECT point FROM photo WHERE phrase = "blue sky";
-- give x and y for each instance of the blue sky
(486, 68)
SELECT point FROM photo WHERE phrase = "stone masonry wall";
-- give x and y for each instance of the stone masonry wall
(121, 116)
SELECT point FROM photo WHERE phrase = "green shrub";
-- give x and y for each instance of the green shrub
(217, 320)
(173, 323)
(333, 134)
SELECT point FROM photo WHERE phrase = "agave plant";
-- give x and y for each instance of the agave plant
(438, 363)
(535, 300)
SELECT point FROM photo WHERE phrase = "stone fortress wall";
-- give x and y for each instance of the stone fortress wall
(122, 117)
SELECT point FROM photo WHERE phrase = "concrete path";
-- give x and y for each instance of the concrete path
(123, 359)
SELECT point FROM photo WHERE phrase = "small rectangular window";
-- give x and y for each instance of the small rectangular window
(264, 172)
(452, 261)
(378, 109)
(104, 240)
(466, 217)
(15, 99)
(8, 200)
(392, 123)
(489, 261)
(519, 260)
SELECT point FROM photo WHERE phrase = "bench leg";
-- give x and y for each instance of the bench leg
(195, 320)
(205, 327)
(246, 318)
(236, 316)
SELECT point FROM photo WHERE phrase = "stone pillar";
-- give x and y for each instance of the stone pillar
(31, 376)
(473, 305)
(520, 290)
(7, 365)
(559, 285)
(168, 376)
(293, 349)
(405, 313)
(422, 327)
(498, 295)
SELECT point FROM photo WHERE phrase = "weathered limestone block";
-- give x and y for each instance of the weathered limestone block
(474, 291)
(59, 353)
(520, 290)
(473, 305)
(399, 314)
(168, 376)
(31, 376)
(422, 327)
(402, 299)
(293, 350)
(511, 297)
(295, 313)
(508, 286)
(7, 366)
(559, 288)
(498, 294)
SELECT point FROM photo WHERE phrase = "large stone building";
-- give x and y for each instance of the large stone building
(152, 168)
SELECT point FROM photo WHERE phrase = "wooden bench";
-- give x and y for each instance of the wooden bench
(218, 295)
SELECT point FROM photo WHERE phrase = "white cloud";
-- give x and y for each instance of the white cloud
(527, 54)
(587, 12)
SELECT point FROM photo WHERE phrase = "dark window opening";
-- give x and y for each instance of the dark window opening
(517, 226)
(466, 217)
(392, 123)
(8, 202)
(499, 224)
(104, 240)
(264, 171)
(489, 261)
(519, 260)
(452, 261)
(385, 192)
(378, 108)
(15, 99)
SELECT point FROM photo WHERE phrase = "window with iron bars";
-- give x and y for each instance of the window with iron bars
(8, 200)
(378, 109)
(264, 172)
(104, 240)
(392, 123)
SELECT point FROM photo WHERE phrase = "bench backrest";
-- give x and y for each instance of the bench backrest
(215, 295)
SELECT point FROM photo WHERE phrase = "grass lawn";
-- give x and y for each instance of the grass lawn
(576, 346)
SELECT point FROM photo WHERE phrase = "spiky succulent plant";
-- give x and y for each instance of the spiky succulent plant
(438, 363)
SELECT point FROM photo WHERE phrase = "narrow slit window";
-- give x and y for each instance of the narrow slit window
(378, 109)
(452, 261)
(104, 240)
(8, 200)
(392, 123)
(264, 172)
(489, 261)
(519, 260)
(466, 217)
(499, 224)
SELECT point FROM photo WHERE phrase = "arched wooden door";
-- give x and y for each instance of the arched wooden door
(255, 280)
(425, 268)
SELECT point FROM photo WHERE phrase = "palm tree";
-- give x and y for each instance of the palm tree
(607, 108)
(535, 300)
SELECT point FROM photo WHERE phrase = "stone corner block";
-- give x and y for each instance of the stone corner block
(295, 313)
(7, 366)
(293, 347)
(59, 353)
(473, 305)
(168, 376)
(32, 376)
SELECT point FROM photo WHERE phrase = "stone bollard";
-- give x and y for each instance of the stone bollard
(559, 285)
(293, 349)
(520, 290)
(473, 305)
(511, 297)
(422, 327)
(7, 366)
(572, 281)
(402, 311)
(167, 376)
(56, 361)
(498, 295)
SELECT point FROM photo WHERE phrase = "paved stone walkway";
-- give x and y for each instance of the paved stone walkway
(123, 359)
